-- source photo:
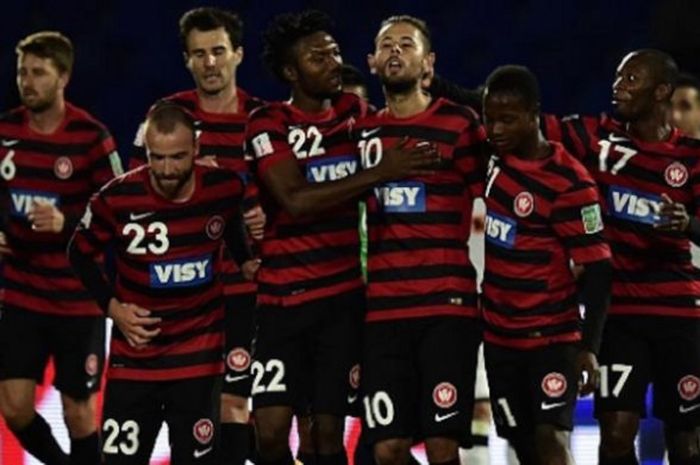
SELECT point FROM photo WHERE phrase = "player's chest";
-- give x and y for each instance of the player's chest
(324, 152)
(632, 180)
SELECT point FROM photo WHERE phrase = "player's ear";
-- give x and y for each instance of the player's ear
(186, 59)
(290, 73)
(63, 80)
(663, 92)
(238, 53)
(372, 63)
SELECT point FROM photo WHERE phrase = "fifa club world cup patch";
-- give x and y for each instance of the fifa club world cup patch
(523, 204)
(238, 359)
(554, 384)
(445, 395)
(676, 174)
(63, 168)
(689, 387)
(354, 376)
(215, 227)
(592, 219)
(91, 365)
(203, 431)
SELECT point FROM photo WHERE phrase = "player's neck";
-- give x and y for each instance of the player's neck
(224, 101)
(182, 195)
(535, 148)
(308, 103)
(654, 127)
(47, 121)
(405, 105)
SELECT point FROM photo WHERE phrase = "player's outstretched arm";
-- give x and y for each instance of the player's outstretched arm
(300, 197)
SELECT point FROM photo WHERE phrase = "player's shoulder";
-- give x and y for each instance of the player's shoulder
(446, 107)
(186, 99)
(130, 183)
(79, 119)
(347, 104)
(249, 102)
(572, 173)
(214, 175)
(15, 116)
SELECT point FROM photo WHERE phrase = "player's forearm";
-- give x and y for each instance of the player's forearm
(311, 199)
(91, 276)
(595, 296)
(236, 239)
(694, 230)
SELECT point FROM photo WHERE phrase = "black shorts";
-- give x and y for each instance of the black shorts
(240, 325)
(665, 351)
(532, 387)
(134, 412)
(418, 378)
(76, 344)
(303, 356)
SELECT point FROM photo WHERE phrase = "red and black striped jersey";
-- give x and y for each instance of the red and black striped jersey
(167, 261)
(63, 168)
(220, 135)
(314, 257)
(540, 216)
(418, 261)
(652, 270)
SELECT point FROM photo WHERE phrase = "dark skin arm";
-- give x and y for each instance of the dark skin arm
(300, 198)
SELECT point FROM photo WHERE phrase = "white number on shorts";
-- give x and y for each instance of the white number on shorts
(510, 419)
(7, 167)
(625, 371)
(129, 445)
(160, 242)
(379, 409)
(275, 384)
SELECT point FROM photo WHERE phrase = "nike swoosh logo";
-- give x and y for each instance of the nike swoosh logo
(201, 453)
(9, 142)
(352, 399)
(684, 409)
(614, 138)
(369, 132)
(140, 216)
(440, 418)
(547, 406)
(233, 379)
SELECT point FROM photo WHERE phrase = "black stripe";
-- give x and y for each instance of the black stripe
(85, 125)
(421, 300)
(514, 284)
(309, 257)
(530, 257)
(234, 128)
(656, 276)
(553, 308)
(422, 133)
(227, 151)
(587, 240)
(400, 273)
(299, 287)
(539, 332)
(26, 266)
(407, 245)
(166, 293)
(680, 301)
(530, 184)
(427, 218)
(48, 294)
(346, 222)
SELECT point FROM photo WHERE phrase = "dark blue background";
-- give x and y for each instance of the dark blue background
(128, 53)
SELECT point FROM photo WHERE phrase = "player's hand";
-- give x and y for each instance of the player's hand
(672, 216)
(250, 268)
(400, 161)
(254, 220)
(4, 246)
(208, 160)
(587, 363)
(45, 217)
(132, 321)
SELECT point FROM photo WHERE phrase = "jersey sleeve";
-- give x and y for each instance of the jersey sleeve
(96, 228)
(577, 220)
(266, 141)
(574, 132)
(470, 156)
(106, 161)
